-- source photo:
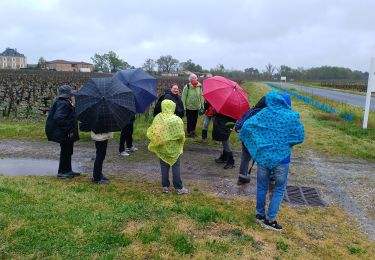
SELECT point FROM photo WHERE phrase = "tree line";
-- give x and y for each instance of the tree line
(110, 62)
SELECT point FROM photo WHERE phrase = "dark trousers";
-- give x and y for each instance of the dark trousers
(65, 164)
(101, 151)
(126, 136)
(177, 183)
(192, 118)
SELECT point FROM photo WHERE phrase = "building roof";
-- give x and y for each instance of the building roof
(67, 62)
(11, 52)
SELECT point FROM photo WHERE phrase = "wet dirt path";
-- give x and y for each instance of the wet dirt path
(343, 182)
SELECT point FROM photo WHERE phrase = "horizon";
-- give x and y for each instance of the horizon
(289, 33)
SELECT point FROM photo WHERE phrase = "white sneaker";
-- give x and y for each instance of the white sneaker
(165, 189)
(182, 191)
(124, 153)
(132, 149)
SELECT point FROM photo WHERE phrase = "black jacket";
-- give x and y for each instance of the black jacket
(179, 111)
(221, 131)
(62, 121)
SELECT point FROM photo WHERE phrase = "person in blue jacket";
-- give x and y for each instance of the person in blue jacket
(269, 137)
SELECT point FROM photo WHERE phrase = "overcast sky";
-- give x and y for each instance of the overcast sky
(236, 33)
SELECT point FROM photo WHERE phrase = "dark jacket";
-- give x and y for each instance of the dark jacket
(61, 122)
(221, 131)
(179, 111)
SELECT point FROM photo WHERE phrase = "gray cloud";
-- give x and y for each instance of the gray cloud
(238, 34)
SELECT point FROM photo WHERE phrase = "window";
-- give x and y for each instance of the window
(14, 59)
(14, 65)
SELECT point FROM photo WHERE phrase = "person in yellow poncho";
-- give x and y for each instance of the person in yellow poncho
(167, 138)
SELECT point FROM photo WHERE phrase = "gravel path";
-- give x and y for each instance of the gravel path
(343, 182)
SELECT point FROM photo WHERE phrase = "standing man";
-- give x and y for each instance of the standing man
(62, 127)
(193, 103)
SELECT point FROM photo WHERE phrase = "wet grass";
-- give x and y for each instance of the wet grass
(329, 133)
(42, 217)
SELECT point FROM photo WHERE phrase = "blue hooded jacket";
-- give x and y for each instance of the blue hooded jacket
(270, 134)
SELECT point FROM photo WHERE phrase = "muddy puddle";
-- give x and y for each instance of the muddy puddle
(28, 167)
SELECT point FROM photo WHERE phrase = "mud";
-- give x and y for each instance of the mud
(343, 182)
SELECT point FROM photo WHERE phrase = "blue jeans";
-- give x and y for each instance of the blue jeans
(280, 174)
(177, 183)
(207, 120)
(245, 160)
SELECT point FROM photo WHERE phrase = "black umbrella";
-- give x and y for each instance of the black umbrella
(105, 104)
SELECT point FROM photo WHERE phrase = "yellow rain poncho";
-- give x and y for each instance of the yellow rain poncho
(167, 134)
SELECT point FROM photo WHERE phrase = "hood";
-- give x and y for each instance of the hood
(276, 101)
(168, 106)
(168, 91)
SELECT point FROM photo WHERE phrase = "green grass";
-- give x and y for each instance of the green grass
(43, 217)
(324, 132)
(328, 133)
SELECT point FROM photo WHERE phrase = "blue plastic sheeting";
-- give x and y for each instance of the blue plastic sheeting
(310, 101)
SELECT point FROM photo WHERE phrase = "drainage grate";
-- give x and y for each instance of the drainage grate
(303, 196)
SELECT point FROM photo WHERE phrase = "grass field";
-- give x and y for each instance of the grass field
(43, 217)
(324, 132)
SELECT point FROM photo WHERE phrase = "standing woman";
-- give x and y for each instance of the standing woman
(101, 143)
(193, 103)
(62, 127)
(222, 127)
(167, 138)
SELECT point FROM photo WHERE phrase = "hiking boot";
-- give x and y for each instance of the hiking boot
(65, 175)
(271, 225)
(242, 180)
(132, 149)
(100, 182)
(165, 189)
(223, 158)
(123, 153)
(260, 218)
(182, 191)
(204, 135)
(230, 161)
(74, 173)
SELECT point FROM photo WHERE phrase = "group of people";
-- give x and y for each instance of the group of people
(267, 132)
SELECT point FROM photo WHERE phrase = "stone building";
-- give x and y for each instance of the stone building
(12, 59)
(63, 65)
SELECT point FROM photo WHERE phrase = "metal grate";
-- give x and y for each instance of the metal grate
(303, 196)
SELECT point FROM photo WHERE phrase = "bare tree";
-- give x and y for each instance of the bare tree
(167, 63)
(149, 65)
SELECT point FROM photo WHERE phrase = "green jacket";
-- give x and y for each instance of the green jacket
(192, 97)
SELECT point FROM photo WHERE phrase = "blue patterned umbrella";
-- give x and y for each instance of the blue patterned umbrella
(105, 104)
(142, 84)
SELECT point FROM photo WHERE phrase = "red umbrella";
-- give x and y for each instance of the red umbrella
(226, 96)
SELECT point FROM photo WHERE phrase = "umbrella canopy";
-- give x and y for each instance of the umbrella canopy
(226, 96)
(105, 104)
(142, 84)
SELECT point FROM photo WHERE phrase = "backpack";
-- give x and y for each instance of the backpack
(251, 112)
(157, 108)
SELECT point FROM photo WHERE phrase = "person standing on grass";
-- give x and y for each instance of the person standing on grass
(62, 127)
(127, 136)
(244, 173)
(222, 127)
(193, 103)
(269, 137)
(167, 138)
(208, 115)
(101, 143)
